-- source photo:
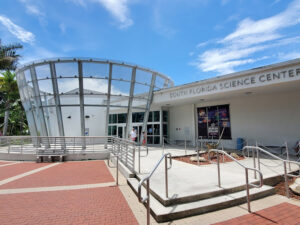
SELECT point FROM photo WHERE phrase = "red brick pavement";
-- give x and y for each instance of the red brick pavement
(16, 169)
(68, 173)
(3, 162)
(105, 206)
(284, 214)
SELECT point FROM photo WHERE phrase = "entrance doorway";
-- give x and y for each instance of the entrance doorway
(121, 131)
(138, 129)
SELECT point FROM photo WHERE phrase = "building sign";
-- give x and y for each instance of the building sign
(239, 83)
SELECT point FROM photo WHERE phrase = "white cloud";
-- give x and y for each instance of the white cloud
(19, 32)
(37, 53)
(117, 8)
(249, 37)
(288, 56)
(32, 8)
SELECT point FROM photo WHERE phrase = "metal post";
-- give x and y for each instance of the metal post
(163, 145)
(185, 145)
(258, 159)
(286, 180)
(198, 153)
(81, 101)
(254, 163)
(129, 109)
(247, 190)
(108, 102)
(166, 176)
(219, 175)
(148, 202)
(288, 155)
(117, 175)
(139, 159)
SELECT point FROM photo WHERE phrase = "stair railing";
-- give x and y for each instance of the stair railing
(248, 185)
(286, 174)
(139, 156)
(147, 179)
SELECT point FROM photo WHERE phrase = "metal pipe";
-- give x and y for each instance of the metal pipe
(254, 163)
(219, 175)
(117, 175)
(139, 159)
(166, 177)
(288, 155)
(148, 202)
(198, 154)
(286, 180)
(247, 190)
(185, 145)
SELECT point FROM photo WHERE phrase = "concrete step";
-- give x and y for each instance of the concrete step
(196, 196)
(166, 213)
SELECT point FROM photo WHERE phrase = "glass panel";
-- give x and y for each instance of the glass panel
(68, 85)
(45, 87)
(122, 118)
(121, 72)
(95, 99)
(156, 116)
(109, 130)
(149, 129)
(159, 82)
(156, 140)
(165, 116)
(165, 129)
(43, 72)
(113, 118)
(150, 118)
(139, 103)
(120, 88)
(113, 130)
(202, 122)
(137, 117)
(94, 118)
(95, 86)
(66, 69)
(143, 77)
(71, 121)
(141, 90)
(27, 75)
(149, 139)
(156, 129)
(119, 100)
(53, 128)
(98, 70)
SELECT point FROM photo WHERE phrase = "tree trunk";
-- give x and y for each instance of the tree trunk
(6, 115)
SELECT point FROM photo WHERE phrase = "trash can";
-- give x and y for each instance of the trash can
(239, 143)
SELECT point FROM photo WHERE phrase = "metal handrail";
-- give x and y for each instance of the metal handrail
(246, 173)
(139, 155)
(147, 178)
(284, 161)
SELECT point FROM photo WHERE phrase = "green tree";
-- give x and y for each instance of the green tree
(9, 56)
(9, 93)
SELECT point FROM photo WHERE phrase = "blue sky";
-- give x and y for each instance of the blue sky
(187, 40)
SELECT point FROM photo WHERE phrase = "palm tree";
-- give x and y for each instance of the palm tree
(8, 85)
(8, 56)
(9, 94)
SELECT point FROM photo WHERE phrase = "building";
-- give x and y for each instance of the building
(77, 97)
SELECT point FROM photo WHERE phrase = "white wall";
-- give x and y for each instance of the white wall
(181, 122)
(270, 119)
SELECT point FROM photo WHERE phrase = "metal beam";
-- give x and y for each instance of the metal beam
(39, 105)
(60, 123)
(108, 100)
(129, 109)
(81, 101)
(148, 105)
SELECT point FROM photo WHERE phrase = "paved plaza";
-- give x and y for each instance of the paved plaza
(85, 193)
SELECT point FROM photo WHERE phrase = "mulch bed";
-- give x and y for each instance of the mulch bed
(186, 159)
(280, 189)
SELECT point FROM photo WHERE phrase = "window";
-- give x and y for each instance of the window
(138, 117)
(113, 118)
(165, 116)
(156, 116)
(122, 118)
(214, 121)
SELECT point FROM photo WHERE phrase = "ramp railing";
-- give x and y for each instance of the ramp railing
(248, 184)
(147, 179)
(256, 154)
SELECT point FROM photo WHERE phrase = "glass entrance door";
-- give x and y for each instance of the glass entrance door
(138, 129)
(120, 131)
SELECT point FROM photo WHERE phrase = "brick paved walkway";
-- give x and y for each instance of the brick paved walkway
(15, 169)
(69, 173)
(284, 213)
(87, 205)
